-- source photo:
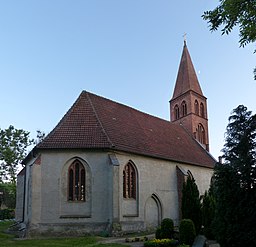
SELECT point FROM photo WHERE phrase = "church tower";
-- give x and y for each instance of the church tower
(188, 104)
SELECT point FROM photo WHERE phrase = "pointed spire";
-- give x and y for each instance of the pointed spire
(185, 38)
(186, 78)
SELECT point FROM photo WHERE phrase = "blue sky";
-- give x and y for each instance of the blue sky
(125, 50)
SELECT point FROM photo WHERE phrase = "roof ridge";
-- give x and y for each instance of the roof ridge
(100, 123)
(130, 107)
(97, 117)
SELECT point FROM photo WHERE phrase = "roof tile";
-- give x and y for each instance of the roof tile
(97, 122)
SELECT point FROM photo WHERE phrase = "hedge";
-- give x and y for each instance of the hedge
(7, 214)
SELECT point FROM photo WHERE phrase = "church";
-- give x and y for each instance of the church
(109, 168)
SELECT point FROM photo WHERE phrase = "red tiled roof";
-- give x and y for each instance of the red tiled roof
(95, 122)
(186, 78)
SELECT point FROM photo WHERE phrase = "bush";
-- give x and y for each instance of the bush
(166, 230)
(187, 232)
(158, 233)
(6, 214)
(8, 198)
(161, 243)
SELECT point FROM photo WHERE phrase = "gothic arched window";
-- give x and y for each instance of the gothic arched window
(201, 134)
(176, 112)
(202, 110)
(184, 108)
(76, 181)
(129, 181)
(196, 107)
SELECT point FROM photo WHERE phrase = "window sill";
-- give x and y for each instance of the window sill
(74, 216)
(76, 201)
(131, 215)
(129, 199)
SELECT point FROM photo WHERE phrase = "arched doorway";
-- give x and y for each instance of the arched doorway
(153, 212)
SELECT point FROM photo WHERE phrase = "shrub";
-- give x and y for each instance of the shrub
(8, 198)
(158, 233)
(6, 214)
(161, 243)
(187, 232)
(167, 228)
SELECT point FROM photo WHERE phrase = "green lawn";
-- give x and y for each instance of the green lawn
(7, 240)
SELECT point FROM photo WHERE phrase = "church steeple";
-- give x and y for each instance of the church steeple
(186, 79)
(188, 104)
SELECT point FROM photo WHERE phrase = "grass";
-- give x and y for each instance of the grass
(7, 240)
(3, 226)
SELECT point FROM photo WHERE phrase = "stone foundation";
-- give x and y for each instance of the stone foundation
(66, 229)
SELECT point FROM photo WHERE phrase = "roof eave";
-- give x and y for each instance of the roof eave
(32, 154)
(115, 149)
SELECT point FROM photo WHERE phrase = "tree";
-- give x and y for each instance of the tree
(191, 204)
(235, 183)
(40, 135)
(8, 195)
(232, 13)
(13, 147)
(208, 212)
(239, 149)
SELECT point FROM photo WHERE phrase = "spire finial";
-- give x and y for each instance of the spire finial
(185, 38)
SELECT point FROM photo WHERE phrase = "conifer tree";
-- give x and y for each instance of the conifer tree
(208, 213)
(191, 205)
(235, 183)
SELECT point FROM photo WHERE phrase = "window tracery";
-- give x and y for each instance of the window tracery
(129, 181)
(76, 182)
